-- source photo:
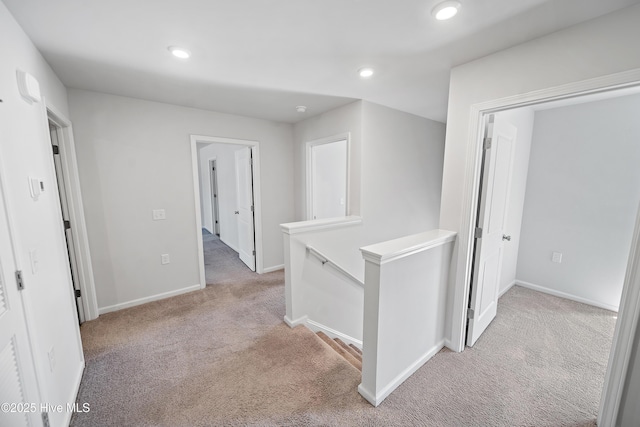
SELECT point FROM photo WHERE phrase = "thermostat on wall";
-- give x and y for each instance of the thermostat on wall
(29, 87)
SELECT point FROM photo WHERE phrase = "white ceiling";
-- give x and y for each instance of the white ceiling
(261, 58)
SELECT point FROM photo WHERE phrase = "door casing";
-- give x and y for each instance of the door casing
(257, 198)
(630, 303)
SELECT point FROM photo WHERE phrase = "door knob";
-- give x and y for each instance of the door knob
(505, 237)
(237, 212)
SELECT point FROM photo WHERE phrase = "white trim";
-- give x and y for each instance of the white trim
(376, 398)
(328, 140)
(145, 300)
(74, 395)
(623, 338)
(505, 290)
(257, 197)
(297, 322)
(272, 269)
(332, 333)
(235, 248)
(472, 171)
(76, 212)
(319, 327)
(565, 295)
(319, 224)
(393, 250)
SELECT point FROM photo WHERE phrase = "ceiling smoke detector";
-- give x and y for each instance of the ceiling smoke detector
(301, 109)
(446, 10)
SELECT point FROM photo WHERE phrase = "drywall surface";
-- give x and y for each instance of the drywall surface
(401, 172)
(25, 150)
(595, 48)
(346, 119)
(522, 119)
(398, 160)
(582, 198)
(227, 191)
(135, 156)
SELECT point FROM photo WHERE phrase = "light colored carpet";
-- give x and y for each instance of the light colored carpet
(223, 357)
(221, 263)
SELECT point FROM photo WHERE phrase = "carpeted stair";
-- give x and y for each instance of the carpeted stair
(351, 353)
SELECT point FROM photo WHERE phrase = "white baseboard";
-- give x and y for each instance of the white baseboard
(332, 333)
(376, 398)
(227, 243)
(274, 268)
(293, 323)
(566, 295)
(505, 290)
(144, 300)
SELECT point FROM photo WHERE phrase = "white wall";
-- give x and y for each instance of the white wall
(400, 159)
(134, 156)
(227, 191)
(595, 48)
(337, 121)
(522, 119)
(582, 198)
(25, 150)
(395, 171)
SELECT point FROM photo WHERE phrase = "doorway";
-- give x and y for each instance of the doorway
(237, 182)
(628, 301)
(67, 180)
(327, 168)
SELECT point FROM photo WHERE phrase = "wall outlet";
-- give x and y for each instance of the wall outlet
(52, 358)
(159, 214)
(164, 259)
(556, 257)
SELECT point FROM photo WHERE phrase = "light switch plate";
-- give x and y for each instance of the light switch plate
(159, 214)
(556, 257)
(164, 259)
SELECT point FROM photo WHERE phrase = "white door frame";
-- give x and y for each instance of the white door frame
(255, 150)
(630, 303)
(309, 169)
(76, 211)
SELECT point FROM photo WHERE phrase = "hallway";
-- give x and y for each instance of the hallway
(221, 263)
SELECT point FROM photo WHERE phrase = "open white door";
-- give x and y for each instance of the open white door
(244, 182)
(490, 233)
(18, 386)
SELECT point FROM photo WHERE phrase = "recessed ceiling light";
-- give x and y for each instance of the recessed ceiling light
(446, 10)
(365, 72)
(301, 108)
(179, 52)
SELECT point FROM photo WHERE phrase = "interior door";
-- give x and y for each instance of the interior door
(500, 138)
(214, 198)
(329, 180)
(18, 386)
(244, 183)
(68, 232)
